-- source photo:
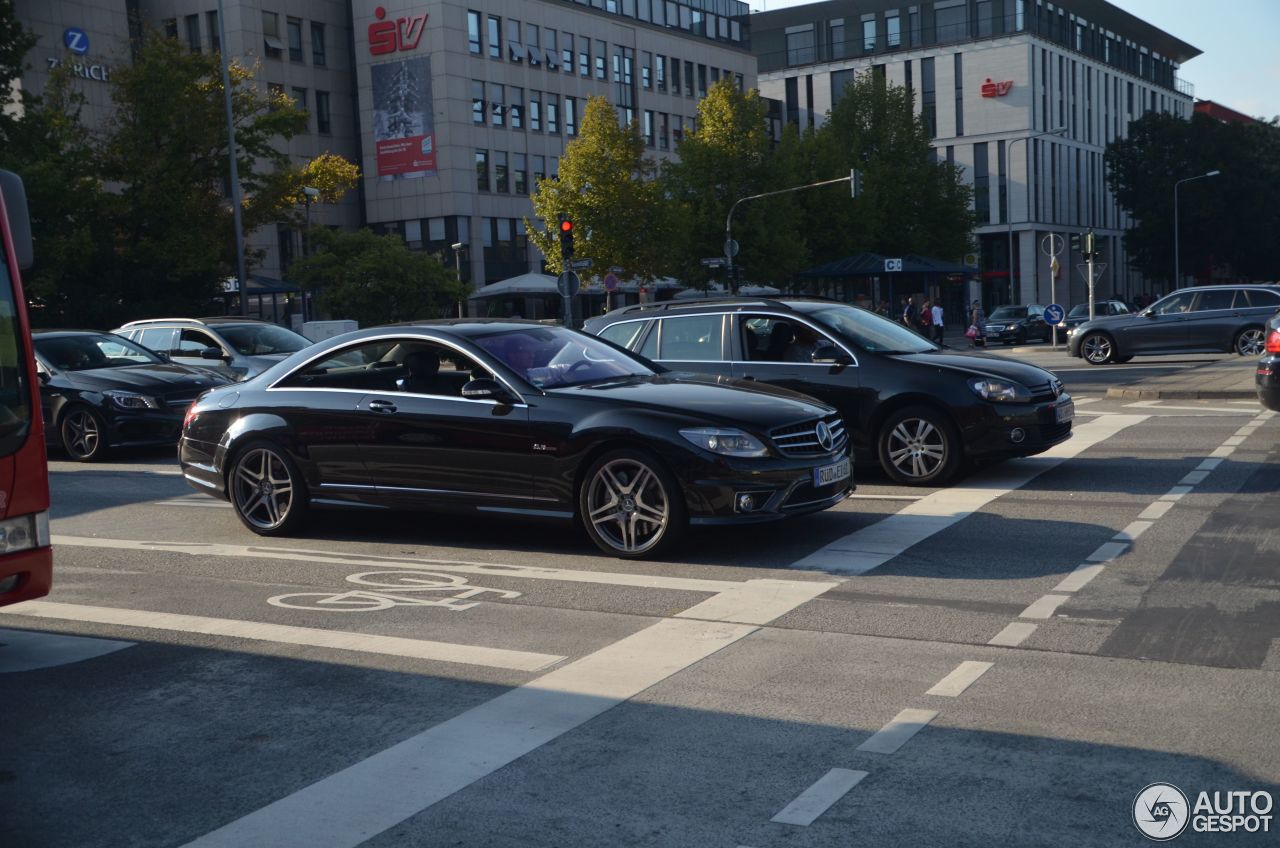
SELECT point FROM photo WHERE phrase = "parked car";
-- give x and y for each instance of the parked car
(1017, 324)
(1101, 309)
(238, 348)
(914, 407)
(1202, 319)
(99, 391)
(1269, 367)
(512, 418)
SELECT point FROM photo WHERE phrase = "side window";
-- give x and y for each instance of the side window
(434, 369)
(1173, 304)
(650, 348)
(693, 338)
(191, 342)
(156, 339)
(369, 366)
(1215, 299)
(625, 334)
(770, 339)
(1263, 298)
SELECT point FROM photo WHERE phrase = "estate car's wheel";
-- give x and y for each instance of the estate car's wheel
(631, 505)
(267, 490)
(84, 434)
(919, 446)
(1098, 349)
(1251, 341)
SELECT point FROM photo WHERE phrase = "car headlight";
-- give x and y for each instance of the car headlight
(725, 440)
(1011, 326)
(131, 400)
(1002, 390)
(24, 532)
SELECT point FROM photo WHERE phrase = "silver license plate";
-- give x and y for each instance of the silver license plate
(828, 474)
(1064, 412)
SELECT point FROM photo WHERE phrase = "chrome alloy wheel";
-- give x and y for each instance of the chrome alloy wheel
(1096, 349)
(628, 506)
(263, 488)
(1251, 342)
(81, 435)
(916, 448)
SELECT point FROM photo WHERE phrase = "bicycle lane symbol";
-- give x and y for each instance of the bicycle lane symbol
(405, 585)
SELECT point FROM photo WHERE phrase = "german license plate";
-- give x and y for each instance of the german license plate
(828, 474)
(1064, 412)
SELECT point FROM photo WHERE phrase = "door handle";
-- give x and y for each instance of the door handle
(385, 407)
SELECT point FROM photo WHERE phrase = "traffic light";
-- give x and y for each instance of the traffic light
(566, 238)
(1089, 248)
(1077, 243)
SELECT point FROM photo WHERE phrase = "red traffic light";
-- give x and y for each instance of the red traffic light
(566, 226)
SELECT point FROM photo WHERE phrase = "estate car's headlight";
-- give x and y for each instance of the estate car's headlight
(1004, 390)
(131, 400)
(725, 440)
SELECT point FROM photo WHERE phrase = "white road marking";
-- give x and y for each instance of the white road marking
(1043, 607)
(1160, 406)
(873, 546)
(819, 797)
(885, 497)
(898, 732)
(756, 601)
(1080, 577)
(1013, 635)
(1081, 400)
(284, 634)
(644, 581)
(1176, 493)
(1193, 478)
(964, 676)
(1208, 464)
(1133, 531)
(1107, 551)
(25, 650)
(1223, 452)
(1235, 441)
(1156, 511)
(206, 503)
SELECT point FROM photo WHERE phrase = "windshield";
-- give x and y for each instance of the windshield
(92, 350)
(262, 339)
(1080, 310)
(15, 405)
(1009, 313)
(553, 357)
(867, 330)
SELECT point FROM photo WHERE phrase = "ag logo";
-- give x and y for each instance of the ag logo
(1161, 811)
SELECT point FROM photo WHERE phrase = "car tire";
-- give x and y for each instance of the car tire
(266, 489)
(1098, 349)
(631, 506)
(919, 446)
(1251, 341)
(83, 433)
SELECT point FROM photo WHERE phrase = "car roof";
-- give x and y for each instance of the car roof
(57, 333)
(194, 322)
(714, 303)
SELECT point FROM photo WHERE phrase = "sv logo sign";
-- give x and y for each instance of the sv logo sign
(996, 89)
(392, 36)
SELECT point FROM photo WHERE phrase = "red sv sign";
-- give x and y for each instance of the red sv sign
(392, 36)
(996, 89)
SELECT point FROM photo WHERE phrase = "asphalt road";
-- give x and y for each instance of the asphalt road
(1005, 662)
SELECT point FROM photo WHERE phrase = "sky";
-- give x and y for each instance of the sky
(1240, 63)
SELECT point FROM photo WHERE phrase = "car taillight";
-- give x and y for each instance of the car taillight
(1273, 341)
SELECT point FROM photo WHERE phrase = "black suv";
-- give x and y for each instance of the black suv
(914, 407)
(238, 348)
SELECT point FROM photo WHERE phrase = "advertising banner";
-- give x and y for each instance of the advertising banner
(403, 126)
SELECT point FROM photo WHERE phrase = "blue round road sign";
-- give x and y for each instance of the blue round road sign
(75, 40)
(1053, 314)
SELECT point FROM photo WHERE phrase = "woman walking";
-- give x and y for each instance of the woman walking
(977, 324)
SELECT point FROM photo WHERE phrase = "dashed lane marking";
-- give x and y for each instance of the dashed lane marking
(1043, 607)
(1013, 635)
(898, 731)
(819, 797)
(964, 676)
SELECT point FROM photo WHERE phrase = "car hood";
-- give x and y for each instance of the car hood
(707, 398)
(981, 365)
(147, 379)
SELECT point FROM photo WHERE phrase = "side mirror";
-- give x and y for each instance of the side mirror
(164, 356)
(829, 354)
(486, 389)
(1149, 313)
(213, 353)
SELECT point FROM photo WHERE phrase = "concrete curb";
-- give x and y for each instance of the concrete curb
(1130, 393)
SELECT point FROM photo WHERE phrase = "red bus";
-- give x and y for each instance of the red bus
(26, 559)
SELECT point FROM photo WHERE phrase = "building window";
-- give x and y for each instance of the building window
(688, 79)
(477, 102)
(271, 44)
(520, 174)
(950, 19)
(660, 72)
(482, 170)
(664, 131)
(193, 33)
(566, 51)
(675, 76)
(295, 39)
(318, 55)
(584, 57)
(928, 98)
(497, 105)
(893, 31)
(570, 116)
(171, 28)
(539, 170)
(300, 97)
(473, 33)
(215, 34)
(600, 54)
(500, 171)
(914, 31)
(646, 70)
(981, 184)
(1003, 203)
(648, 128)
(551, 50)
(986, 19)
(869, 36)
(515, 48)
(551, 113)
(323, 123)
(516, 109)
(533, 43)
(535, 111)
(838, 46)
(959, 75)
(800, 45)
(840, 79)
(702, 81)
(495, 37)
(284, 241)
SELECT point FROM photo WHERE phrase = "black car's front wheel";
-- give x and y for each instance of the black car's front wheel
(1097, 349)
(919, 446)
(1251, 341)
(267, 490)
(84, 434)
(631, 505)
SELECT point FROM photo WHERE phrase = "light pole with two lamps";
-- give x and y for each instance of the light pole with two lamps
(1177, 267)
(1013, 297)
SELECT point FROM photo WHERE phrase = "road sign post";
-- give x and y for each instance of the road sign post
(1053, 316)
(567, 283)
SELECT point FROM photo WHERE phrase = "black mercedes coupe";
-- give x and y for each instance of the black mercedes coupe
(512, 418)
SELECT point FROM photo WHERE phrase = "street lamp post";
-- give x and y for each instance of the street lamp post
(1008, 218)
(1177, 258)
(459, 248)
(241, 282)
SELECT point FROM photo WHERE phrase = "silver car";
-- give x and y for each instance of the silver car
(237, 348)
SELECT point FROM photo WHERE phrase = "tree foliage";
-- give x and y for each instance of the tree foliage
(376, 279)
(1227, 220)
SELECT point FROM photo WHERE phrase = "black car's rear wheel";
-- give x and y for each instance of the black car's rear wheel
(1097, 349)
(84, 434)
(267, 490)
(631, 505)
(1251, 341)
(919, 446)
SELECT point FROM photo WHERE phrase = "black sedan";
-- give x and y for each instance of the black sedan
(515, 418)
(1269, 368)
(100, 391)
(1017, 324)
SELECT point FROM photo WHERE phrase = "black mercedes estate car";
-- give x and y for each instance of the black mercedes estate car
(915, 407)
(515, 418)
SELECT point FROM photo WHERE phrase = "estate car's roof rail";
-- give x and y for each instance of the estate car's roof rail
(193, 321)
(669, 305)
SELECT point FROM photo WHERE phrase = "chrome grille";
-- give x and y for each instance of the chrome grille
(802, 439)
(1046, 391)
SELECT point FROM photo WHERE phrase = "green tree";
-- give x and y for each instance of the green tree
(376, 279)
(726, 158)
(606, 187)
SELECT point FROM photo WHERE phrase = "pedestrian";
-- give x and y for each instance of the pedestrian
(977, 323)
(910, 315)
(926, 319)
(937, 322)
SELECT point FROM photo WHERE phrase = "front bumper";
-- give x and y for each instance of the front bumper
(139, 428)
(1016, 429)
(779, 488)
(1268, 381)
